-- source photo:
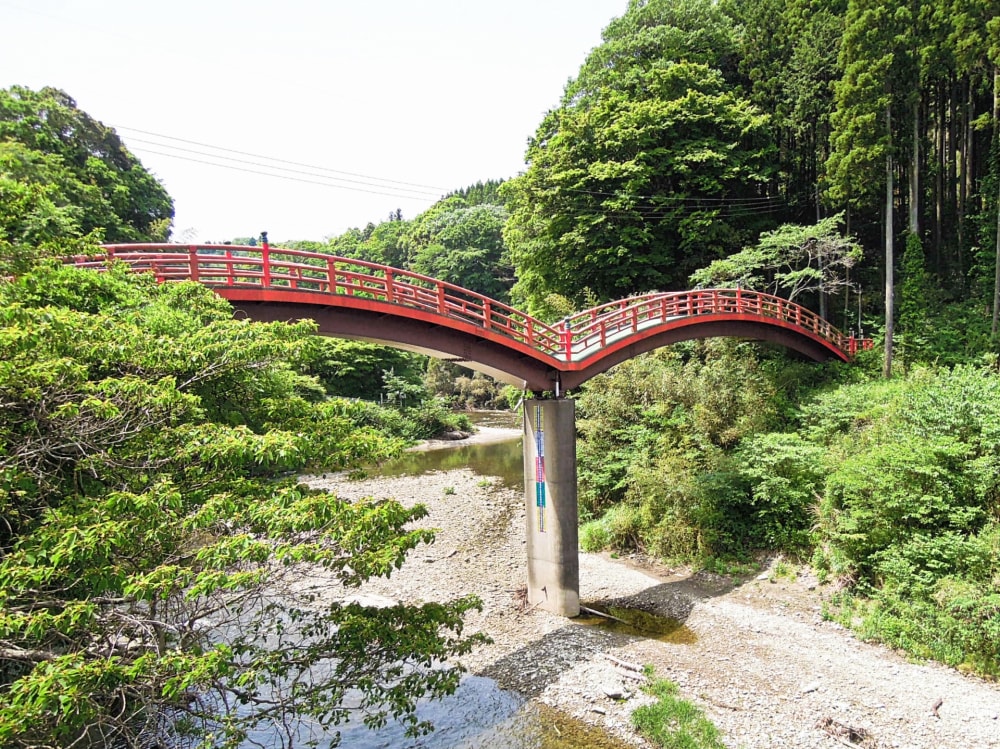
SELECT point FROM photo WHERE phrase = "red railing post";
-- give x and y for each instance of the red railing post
(442, 305)
(230, 281)
(529, 331)
(331, 276)
(567, 336)
(390, 289)
(635, 319)
(487, 314)
(265, 259)
(739, 300)
(193, 262)
(852, 346)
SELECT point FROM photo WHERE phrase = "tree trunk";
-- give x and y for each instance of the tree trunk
(823, 311)
(915, 172)
(964, 160)
(996, 276)
(939, 185)
(887, 368)
(996, 128)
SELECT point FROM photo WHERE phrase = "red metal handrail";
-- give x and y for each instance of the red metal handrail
(269, 267)
(594, 327)
(575, 338)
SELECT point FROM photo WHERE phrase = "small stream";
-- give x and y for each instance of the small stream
(479, 714)
(503, 460)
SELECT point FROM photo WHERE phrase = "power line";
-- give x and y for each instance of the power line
(758, 199)
(420, 191)
(285, 176)
(271, 158)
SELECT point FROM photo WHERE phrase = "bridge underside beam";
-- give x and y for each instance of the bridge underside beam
(701, 328)
(437, 341)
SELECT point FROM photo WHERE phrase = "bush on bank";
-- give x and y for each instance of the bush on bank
(148, 444)
(718, 450)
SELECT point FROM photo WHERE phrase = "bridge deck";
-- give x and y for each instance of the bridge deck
(463, 325)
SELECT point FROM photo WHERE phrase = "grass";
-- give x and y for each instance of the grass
(594, 536)
(449, 490)
(782, 569)
(674, 723)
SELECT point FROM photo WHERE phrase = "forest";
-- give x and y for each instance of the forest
(842, 154)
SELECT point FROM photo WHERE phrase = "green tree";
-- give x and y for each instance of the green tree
(463, 245)
(877, 80)
(652, 166)
(151, 531)
(791, 260)
(356, 369)
(83, 163)
(917, 297)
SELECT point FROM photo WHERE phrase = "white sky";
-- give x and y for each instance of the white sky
(436, 93)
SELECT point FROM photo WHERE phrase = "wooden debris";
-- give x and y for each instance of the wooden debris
(847, 735)
(937, 704)
(624, 664)
(595, 612)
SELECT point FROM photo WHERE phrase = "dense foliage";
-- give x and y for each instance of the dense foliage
(714, 452)
(909, 511)
(653, 165)
(64, 174)
(146, 444)
(459, 240)
(697, 125)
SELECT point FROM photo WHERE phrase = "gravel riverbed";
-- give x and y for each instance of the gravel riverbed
(757, 657)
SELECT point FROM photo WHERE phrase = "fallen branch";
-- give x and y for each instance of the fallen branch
(595, 612)
(31, 656)
(623, 664)
(847, 735)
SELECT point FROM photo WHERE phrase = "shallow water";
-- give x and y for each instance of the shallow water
(503, 460)
(639, 623)
(480, 714)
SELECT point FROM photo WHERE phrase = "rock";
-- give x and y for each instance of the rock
(370, 600)
(613, 691)
(811, 687)
(453, 436)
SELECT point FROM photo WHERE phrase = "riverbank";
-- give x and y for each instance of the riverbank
(758, 658)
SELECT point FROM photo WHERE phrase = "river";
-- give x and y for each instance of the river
(479, 714)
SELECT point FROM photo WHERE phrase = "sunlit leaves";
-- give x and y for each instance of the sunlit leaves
(147, 444)
(629, 180)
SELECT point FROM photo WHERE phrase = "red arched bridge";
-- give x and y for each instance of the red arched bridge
(355, 299)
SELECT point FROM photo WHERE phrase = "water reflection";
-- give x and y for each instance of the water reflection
(471, 717)
(493, 459)
(479, 714)
(497, 459)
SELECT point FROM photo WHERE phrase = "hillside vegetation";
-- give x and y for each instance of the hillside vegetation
(846, 154)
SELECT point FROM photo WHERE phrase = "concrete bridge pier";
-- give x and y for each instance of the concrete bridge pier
(551, 506)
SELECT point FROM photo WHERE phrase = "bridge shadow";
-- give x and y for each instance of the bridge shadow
(541, 662)
(658, 612)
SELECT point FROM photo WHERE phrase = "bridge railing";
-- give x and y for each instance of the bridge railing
(593, 329)
(575, 338)
(266, 267)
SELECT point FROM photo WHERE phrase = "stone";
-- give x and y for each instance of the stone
(613, 691)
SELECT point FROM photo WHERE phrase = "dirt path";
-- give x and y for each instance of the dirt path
(761, 661)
